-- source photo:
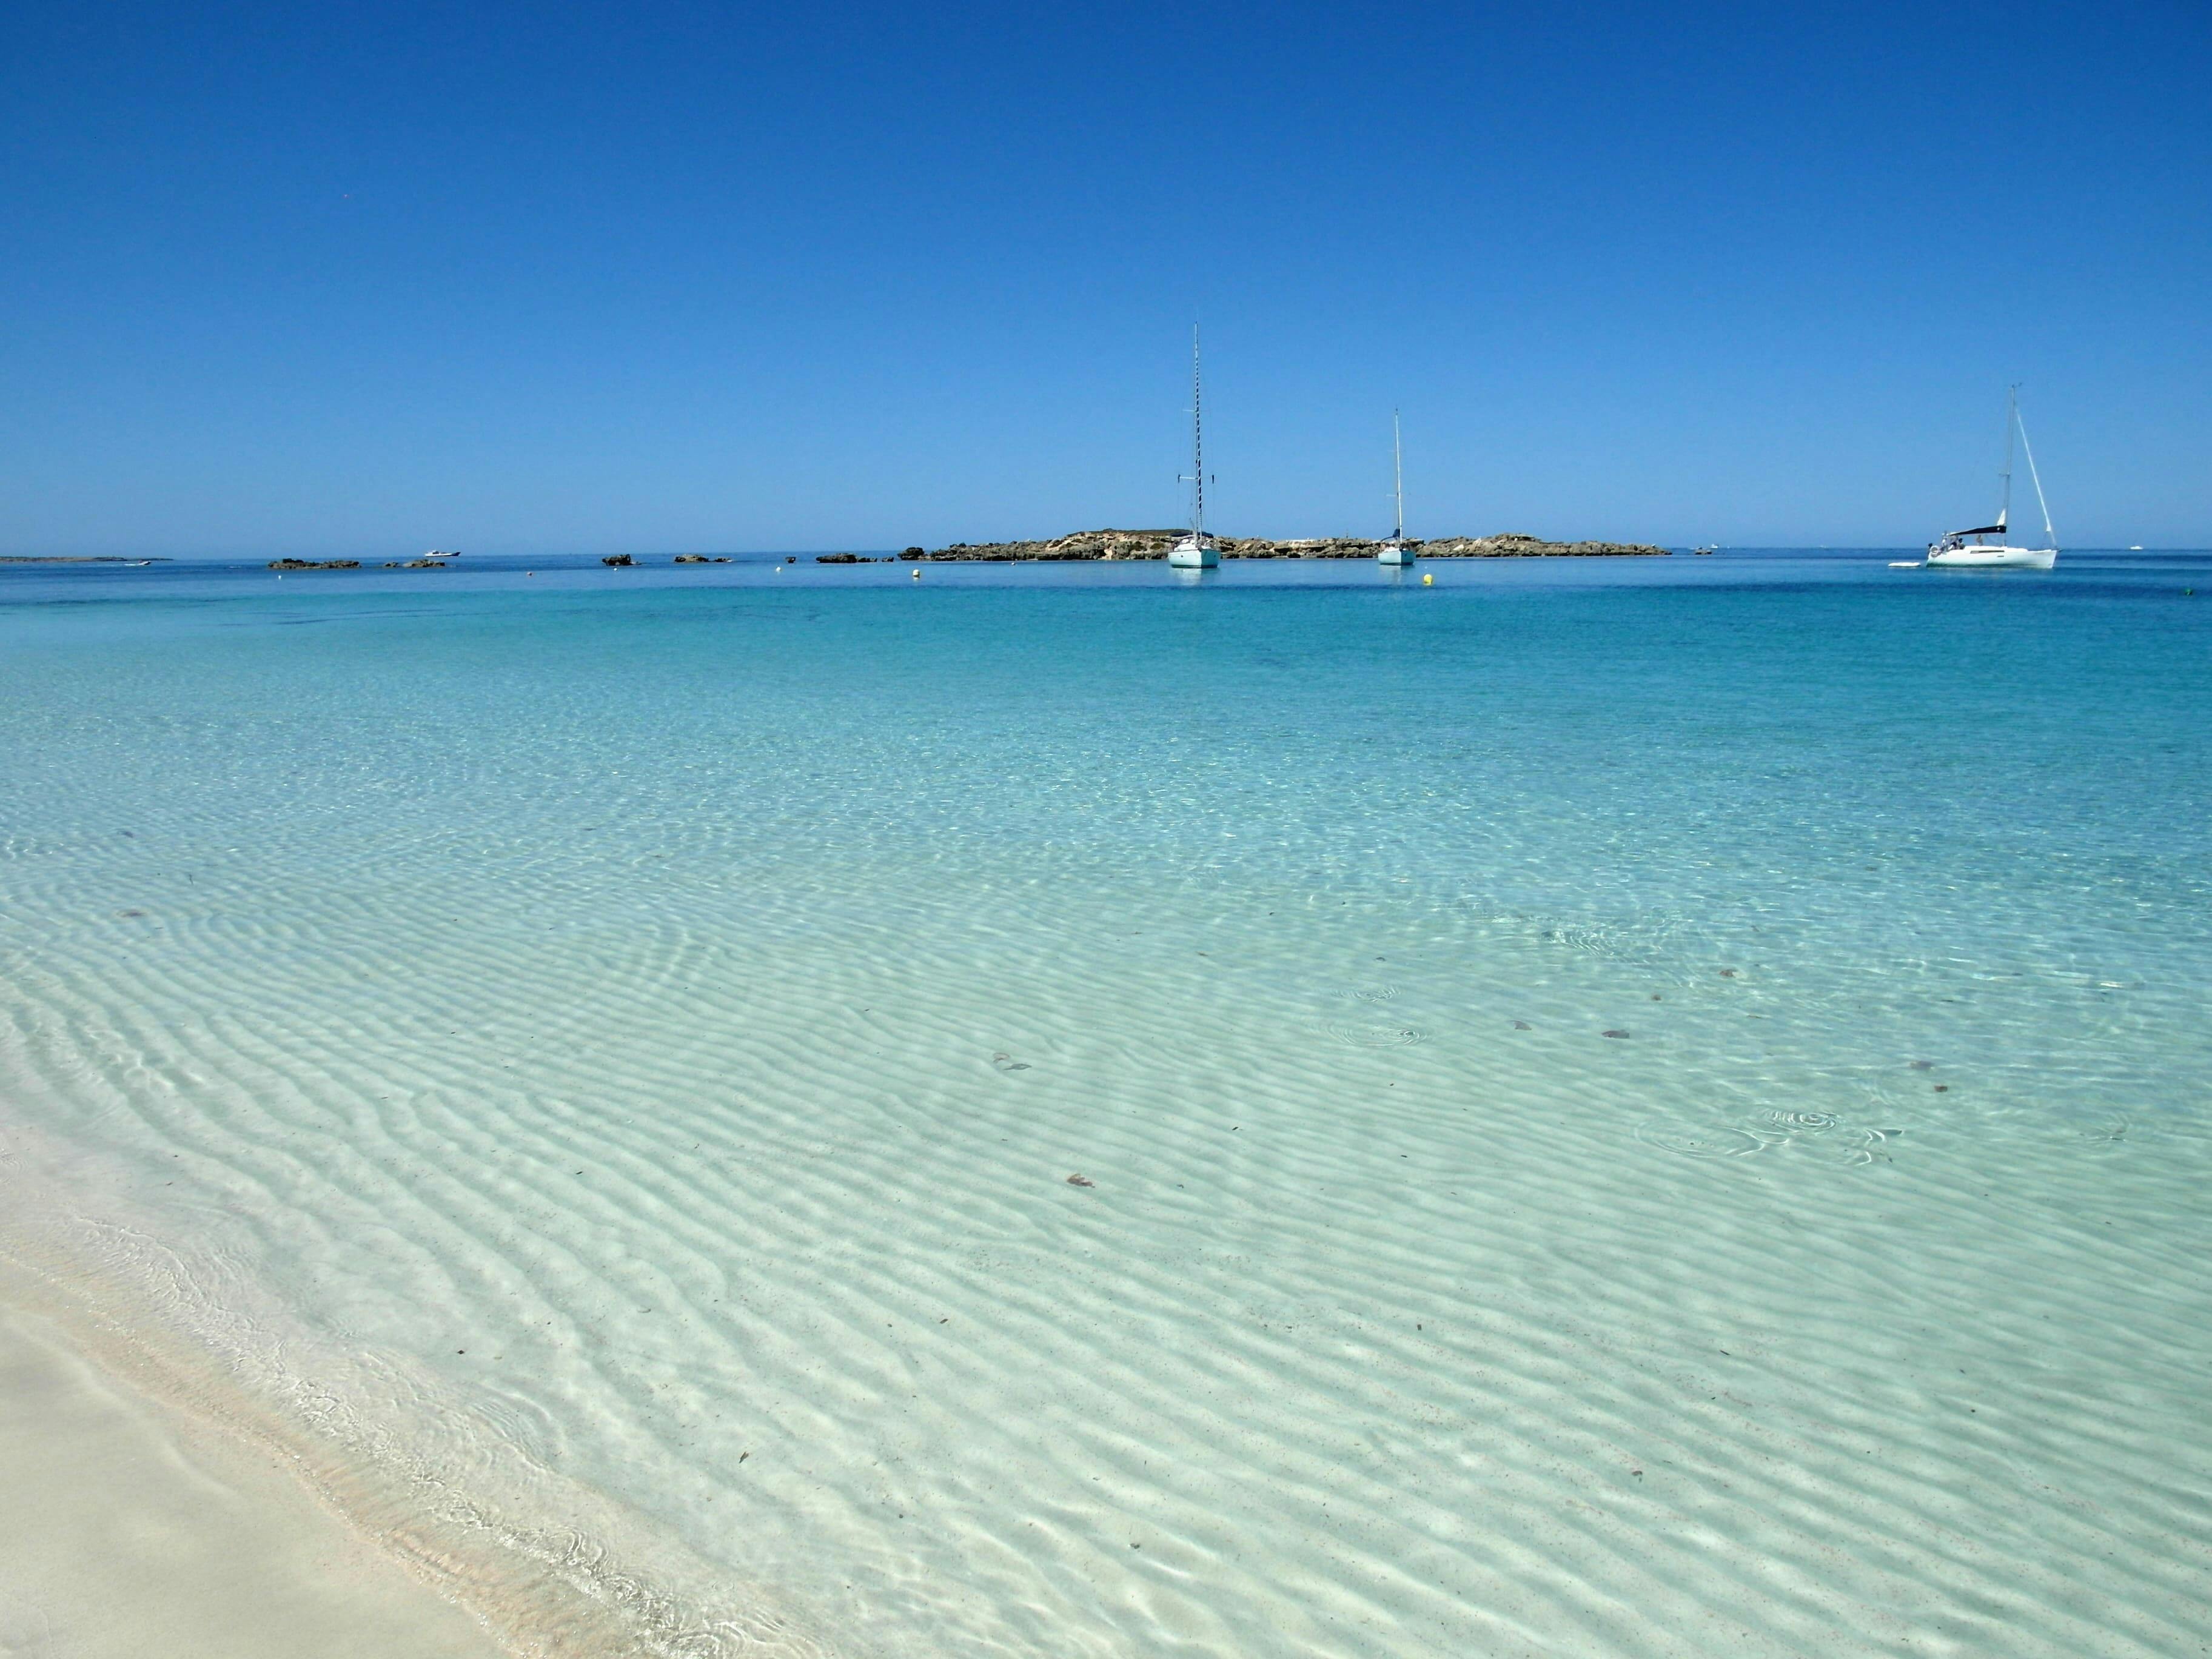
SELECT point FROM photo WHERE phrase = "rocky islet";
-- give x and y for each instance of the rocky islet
(1155, 543)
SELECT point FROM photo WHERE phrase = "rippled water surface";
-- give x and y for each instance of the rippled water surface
(1589, 1108)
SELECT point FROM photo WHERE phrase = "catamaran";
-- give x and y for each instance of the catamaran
(1197, 550)
(1397, 549)
(1970, 550)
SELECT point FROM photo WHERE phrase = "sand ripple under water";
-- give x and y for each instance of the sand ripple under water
(603, 1075)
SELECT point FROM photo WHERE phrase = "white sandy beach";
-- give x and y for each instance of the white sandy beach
(132, 1528)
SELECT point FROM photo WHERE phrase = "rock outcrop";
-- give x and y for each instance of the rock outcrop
(1511, 545)
(1084, 544)
(314, 564)
(1154, 545)
(617, 559)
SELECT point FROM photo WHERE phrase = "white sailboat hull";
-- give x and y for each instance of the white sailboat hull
(1193, 553)
(1395, 553)
(1992, 558)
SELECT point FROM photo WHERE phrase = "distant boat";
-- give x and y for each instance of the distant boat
(2137, 547)
(1197, 550)
(1705, 551)
(436, 553)
(1397, 551)
(1971, 549)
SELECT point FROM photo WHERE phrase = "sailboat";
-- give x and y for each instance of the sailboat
(1970, 550)
(1197, 550)
(1397, 551)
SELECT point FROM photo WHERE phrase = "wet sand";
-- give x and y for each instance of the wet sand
(132, 1528)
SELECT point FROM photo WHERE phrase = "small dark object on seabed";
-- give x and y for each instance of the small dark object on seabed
(1523, 1025)
(1081, 1180)
(1728, 973)
(617, 558)
(1612, 1034)
(314, 564)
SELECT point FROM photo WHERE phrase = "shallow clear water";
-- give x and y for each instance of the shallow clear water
(1629, 1108)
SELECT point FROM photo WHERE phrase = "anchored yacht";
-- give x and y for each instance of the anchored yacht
(1397, 551)
(1197, 550)
(1973, 549)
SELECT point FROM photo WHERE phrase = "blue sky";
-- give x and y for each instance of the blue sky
(366, 278)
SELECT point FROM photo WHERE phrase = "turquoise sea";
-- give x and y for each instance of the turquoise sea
(1636, 1108)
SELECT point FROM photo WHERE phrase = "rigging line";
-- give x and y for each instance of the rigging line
(2028, 450)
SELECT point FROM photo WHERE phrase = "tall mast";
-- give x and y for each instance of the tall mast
(2012, 421)
(1198, 445)
(1398, 476)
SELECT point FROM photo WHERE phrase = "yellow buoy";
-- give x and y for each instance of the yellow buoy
(1428, 579)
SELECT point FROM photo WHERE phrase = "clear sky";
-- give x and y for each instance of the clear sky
(366, 278)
